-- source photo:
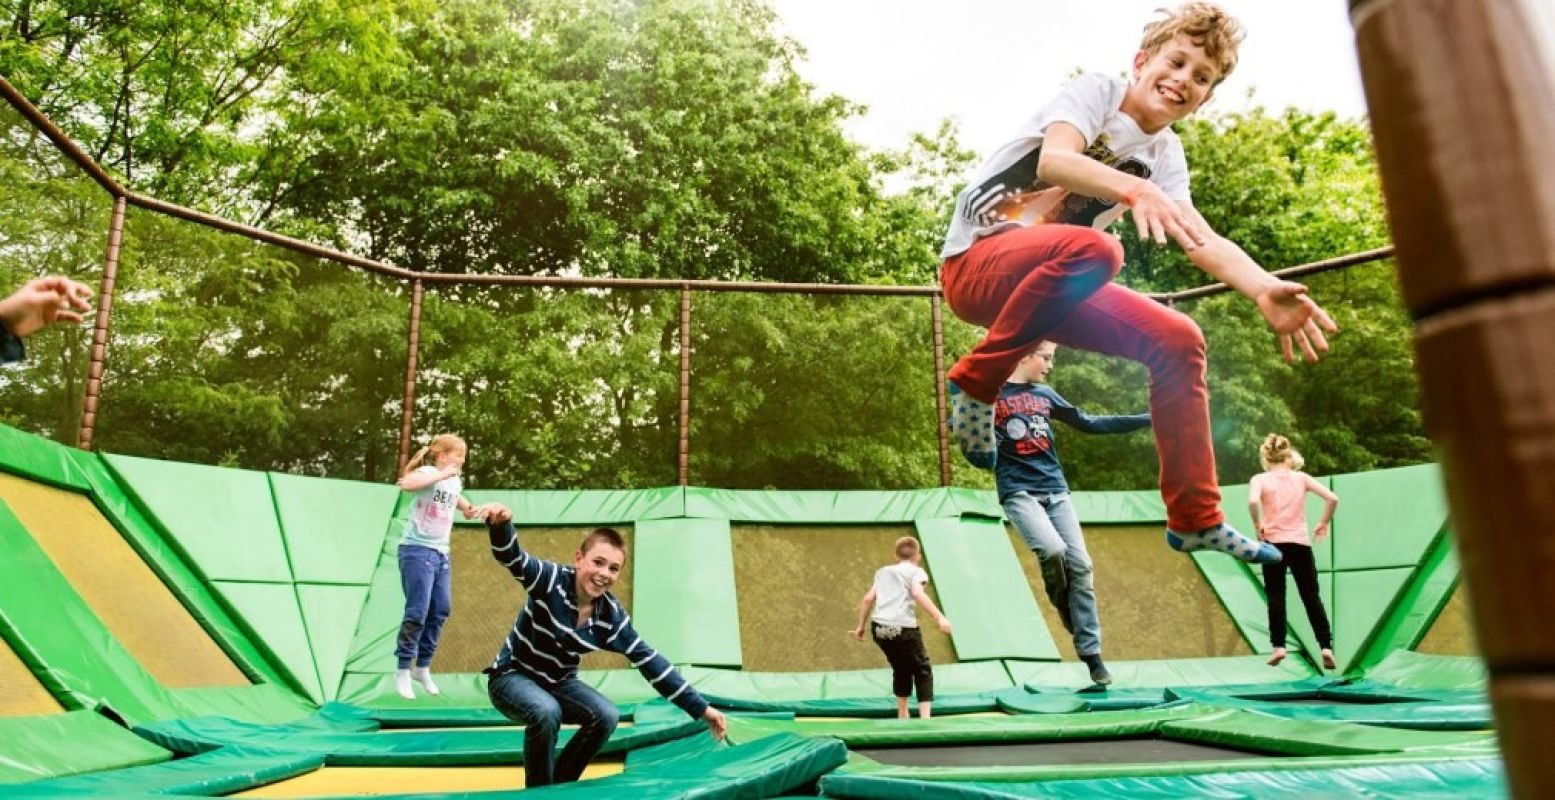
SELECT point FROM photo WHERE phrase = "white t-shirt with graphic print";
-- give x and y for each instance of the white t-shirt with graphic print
(432, 512)
(1004, 192)
(893, 594)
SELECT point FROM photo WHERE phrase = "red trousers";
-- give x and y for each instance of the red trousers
(1054, 283)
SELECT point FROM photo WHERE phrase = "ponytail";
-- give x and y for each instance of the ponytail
(415, 461)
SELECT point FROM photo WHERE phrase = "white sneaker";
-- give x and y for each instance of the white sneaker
(423, 676)
(402, 684)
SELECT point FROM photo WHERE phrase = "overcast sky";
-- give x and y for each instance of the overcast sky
(990, 63)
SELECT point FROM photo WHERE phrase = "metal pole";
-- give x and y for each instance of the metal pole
(685, 385)
(412, 351)
(939, 390)
(1472, 208)
(105, 292)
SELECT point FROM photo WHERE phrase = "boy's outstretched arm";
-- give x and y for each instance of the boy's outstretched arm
(1284, 304)
(1069, 414)
(1063, 163)
(923, 599)
(505, 548)
(863, 613)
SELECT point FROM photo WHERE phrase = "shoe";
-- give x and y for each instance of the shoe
(971, 423)
(402, 684)
(1099, 674)
(423, 676)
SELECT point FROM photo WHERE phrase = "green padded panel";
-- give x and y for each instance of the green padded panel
(1419, 605)
(372, 647)
(1119, 508)
(222, 519)
(971, 729)
(271, 614)
(219, 772)
(782, 687)
(1251, 730)
(169, 564)
(683, 590)
(265, 702)
(975, 570)
(33, 748)
(794, 508)
(334, 529)
(1233, 500)
(1420, 671)
(1240, 594)
(1166, 673)
(39, 459)
(1362, 603)
(587, 507)
(330, 613)
(1388, 518)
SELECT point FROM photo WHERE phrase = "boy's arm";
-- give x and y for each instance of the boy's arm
(1330, 505)
(506, 550)
(863, 613)
(923, 599)
(1063, 163)
(1067, 413)
(1284, 304)
(656, 669)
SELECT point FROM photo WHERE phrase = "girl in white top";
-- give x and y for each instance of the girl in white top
(433, 474)
(895, 625)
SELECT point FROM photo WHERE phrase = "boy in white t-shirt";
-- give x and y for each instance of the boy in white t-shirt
(1027, 257)
(894, 625)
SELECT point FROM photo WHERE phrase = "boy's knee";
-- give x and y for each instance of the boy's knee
(1100, 248)
(1181, 341)
(1053, 551)
(607, 717)
(544, 718)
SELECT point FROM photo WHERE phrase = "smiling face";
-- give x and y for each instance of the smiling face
(598, 568)
(1170, 83)
(1035, 366)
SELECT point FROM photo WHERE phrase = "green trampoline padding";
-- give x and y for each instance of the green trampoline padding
(860, 706)
(970, 729)
(219, 772)
(1163, 673)
(1410, 670)
(33, 748)
(1138, 507)
(1388, 517)
(383, 748)
(735, 686)
(1016, 700)
(973, 566)
(1441, 780)
(1364, 711)
(40, 459)
(1418, 606)
(590, 507)
(325, 545)
(839, 508)
(1261, 732)
(683, 579)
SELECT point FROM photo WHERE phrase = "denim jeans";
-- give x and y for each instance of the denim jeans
(1048, 524)
(429, 599)
(542, 711)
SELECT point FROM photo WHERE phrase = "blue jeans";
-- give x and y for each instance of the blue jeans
(1048, 524)
(542, 711)
(429, 599)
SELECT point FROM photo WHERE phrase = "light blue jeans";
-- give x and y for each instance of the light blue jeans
(1048, 524)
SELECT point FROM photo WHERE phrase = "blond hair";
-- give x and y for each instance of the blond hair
(440, 444)
(1276, 449)
(906, 547)
(1206, 25)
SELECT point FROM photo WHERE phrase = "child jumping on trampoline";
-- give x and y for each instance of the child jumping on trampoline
(425, 571)
(1276, 499)
(571, 612)
(1035, 494)
(1027, 256)
(894, 625)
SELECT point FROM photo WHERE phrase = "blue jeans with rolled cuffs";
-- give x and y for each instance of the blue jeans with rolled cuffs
(1048, 524)
(542, 710)
(428, 582)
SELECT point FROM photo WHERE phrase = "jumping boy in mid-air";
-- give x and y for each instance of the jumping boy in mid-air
(1027, 257)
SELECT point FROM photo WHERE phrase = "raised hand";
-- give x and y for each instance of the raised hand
(44, 301)
(1297, 319)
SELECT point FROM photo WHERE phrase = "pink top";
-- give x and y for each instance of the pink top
(1282, 503)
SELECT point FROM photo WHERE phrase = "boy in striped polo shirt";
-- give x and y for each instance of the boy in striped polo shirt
(570, 612)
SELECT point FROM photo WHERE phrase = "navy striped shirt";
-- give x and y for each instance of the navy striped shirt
(545, 647)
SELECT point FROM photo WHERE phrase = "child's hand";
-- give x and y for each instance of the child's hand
(944, 625)
(472, 512)
(494, 513)
(44, 301)
(858, 633)
(1294, 315)
(1158, 216)
(717, 725)
(1321, 530)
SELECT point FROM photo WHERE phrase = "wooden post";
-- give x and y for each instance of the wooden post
(412, 352)
(100, 328)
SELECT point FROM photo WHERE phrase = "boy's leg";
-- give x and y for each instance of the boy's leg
(416, 578)
(1036, 529)
(596, 717)
(1119, 321)
(1082, 586)
(1019, 284)
(1303, 567)
(922, 671)
(526, 702)
(1274, 589)
(889, 640)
